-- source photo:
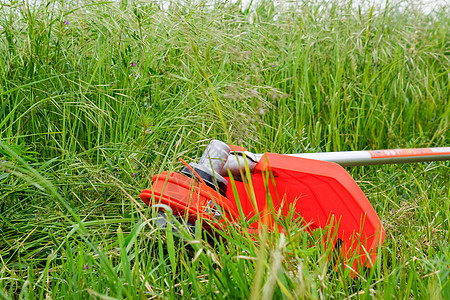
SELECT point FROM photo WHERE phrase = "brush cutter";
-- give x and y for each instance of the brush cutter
(229, 183)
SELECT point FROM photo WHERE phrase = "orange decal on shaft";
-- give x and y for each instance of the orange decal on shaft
(408, 152)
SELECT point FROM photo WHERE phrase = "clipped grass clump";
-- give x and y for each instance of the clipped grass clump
(96, 97)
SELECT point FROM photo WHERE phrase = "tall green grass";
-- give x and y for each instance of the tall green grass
(96, 97)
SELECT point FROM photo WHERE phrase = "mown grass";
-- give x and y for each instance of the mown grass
(96, 97)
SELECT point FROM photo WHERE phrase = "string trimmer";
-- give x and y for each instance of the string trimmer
(229, 183)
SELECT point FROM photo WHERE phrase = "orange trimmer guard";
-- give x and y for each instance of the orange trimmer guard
(322, 193)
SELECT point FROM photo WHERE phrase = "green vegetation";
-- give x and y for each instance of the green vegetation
(96, 97)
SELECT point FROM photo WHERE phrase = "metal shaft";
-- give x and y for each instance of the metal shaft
(377, 157)
(238, 160)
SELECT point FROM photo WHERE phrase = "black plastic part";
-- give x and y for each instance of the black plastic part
(207, 178)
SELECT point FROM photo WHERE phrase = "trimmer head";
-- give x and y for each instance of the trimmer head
(321, 192)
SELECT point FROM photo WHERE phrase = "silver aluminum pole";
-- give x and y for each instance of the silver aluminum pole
(374, 157)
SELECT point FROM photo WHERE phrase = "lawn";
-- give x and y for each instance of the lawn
(97, 97)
